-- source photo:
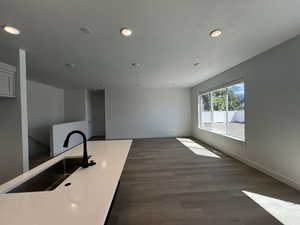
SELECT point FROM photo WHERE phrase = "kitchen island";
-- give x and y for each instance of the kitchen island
(85, 201)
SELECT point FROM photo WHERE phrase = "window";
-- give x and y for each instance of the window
(206, 113)
(223, 111)
(219, 110)
(236, 111)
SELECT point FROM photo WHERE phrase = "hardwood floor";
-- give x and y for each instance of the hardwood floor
(164, 183)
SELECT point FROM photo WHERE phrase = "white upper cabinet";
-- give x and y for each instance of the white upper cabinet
(7, 80)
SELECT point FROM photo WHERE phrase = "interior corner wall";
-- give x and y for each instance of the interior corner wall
(272, 112)
(147, 112)
(13, 140)
(45, 108)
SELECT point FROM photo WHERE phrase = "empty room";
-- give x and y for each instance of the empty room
(140, 112)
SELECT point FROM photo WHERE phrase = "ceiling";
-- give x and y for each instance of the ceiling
(169, 36)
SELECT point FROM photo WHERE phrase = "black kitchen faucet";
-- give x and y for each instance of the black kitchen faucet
(85, 160)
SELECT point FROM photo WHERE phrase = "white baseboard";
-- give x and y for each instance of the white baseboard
(265, 170)
(287, 180)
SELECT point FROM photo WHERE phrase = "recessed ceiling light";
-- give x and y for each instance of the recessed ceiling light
(70, 65)
(11, 30)
(86, 30)
(135, 64)
(126, 32)
(215, 33)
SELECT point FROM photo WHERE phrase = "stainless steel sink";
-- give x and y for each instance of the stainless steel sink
(50, 178)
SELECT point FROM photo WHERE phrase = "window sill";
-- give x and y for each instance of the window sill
(224, 135)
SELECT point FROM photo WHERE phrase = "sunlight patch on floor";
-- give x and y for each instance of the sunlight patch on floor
(196, 148)
(288, 213)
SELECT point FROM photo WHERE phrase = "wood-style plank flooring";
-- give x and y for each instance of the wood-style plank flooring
(164, 183)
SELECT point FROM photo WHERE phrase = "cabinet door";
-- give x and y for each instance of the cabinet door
(6, 85)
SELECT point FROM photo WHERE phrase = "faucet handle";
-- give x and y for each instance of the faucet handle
(92, 163)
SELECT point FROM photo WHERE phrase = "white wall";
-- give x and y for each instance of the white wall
(146, 112)
(45, 108)
(272, 112)
(78, 107)
(75, 108)
(13, 123)
(98, 113)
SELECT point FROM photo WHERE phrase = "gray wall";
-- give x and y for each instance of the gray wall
(45, 108)
(272, 112)
(98, 113)
(146, 112)
(75, 108)
(13, 127)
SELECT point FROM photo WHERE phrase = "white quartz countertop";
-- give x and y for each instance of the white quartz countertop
(86, 201)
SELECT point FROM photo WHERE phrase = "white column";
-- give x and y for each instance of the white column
(24, 117)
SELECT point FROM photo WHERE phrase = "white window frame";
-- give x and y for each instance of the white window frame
(200, 105)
